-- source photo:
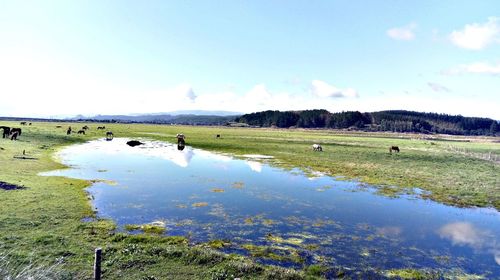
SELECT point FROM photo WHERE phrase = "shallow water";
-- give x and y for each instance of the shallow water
(301, 219)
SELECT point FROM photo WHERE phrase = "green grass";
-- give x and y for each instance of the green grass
(43, 222)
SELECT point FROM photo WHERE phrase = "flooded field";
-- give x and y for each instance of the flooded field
(278, 216)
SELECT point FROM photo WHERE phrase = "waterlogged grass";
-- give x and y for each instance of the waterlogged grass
(41, 225)
(43, 220)
(151, 229)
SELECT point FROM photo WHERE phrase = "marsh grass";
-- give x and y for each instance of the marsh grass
(32, 269)
(44, 221)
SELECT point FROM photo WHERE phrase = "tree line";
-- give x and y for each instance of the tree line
(394, 120)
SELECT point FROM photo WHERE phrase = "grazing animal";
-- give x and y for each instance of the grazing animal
(181, 138)
(68, 132)
(217, 136)
(23, 123)
(58, 126)
(6, 131)
(394, 148)
(14, 135)
(317, 148)
(81, 131)
(29, 124)
(101, 127)
(85, 127)
(13, 130)
(109, 136)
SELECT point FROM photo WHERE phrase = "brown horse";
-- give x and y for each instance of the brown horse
(394, 148)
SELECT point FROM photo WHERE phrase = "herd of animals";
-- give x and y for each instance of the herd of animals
(15, 132)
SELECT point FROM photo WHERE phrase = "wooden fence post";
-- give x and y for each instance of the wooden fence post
(97, 264)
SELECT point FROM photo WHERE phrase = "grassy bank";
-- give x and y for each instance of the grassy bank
(42, 221)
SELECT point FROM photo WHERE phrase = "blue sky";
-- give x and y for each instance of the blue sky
(110, 57)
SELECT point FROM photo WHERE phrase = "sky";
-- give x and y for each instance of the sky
(61, 58)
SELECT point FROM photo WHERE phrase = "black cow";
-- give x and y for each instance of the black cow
(6, 131)
(81, 131)
(13, 136)
(14, 130)
(14, 133)
(109, 136)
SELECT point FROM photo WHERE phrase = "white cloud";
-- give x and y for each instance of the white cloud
(185, 91)
(475, 68)
(438, 87)
(462, 233)
(477, 36)
(322, 89)
(254, 165)
(404, 33)
(258, 95)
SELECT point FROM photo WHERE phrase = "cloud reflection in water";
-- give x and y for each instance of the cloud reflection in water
(464, 233)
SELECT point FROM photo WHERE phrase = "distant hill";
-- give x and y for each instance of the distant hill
(202, 113)
(396, 121)
(190, 119)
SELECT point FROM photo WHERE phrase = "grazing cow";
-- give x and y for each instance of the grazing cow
(81, 131)
(58, 126)
(68, 132)
(101, 127)
(29, 124)
(85, 127)
(6, 131)
(13, 136)
(180, 138)
(18, 130)
(394, 148)
(23, 123)
(317, 148)
(109, 136)
(217, 136)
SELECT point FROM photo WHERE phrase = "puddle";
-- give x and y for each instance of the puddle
(278, 216)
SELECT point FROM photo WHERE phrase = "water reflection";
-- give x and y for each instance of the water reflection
(283, 217)
(389, 231)
(254, 165)
(465, 233)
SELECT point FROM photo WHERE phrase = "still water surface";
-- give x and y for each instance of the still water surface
(298, 218)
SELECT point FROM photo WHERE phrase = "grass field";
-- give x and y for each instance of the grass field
(42, 222)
